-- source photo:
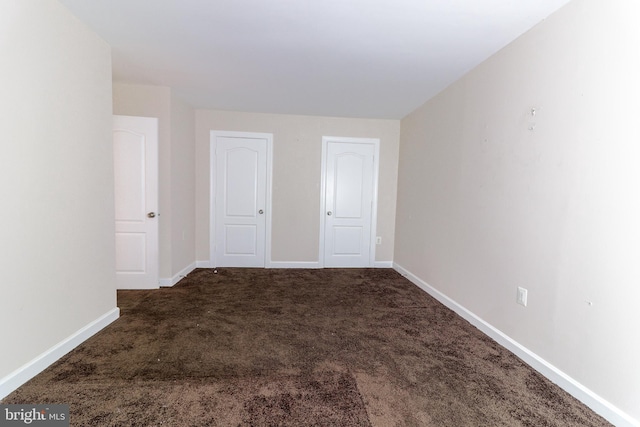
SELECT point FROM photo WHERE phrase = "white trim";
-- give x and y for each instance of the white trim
(374, 210)
(374, 201)
(598, 404)
(204, 264)
(212, 188)
(323, 201)
(294, 264)
(176, 278)
(23, 374)
(383, 264)
(268, 219)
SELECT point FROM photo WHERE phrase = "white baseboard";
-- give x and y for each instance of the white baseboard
(181, 275)
(383, 264)
(23, 374)
(272, 264)
(316, 264)
(599, 405)
(289, 264)
(294, 264)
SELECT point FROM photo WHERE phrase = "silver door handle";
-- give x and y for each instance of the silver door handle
(260, 211)
(151, 214)
(329, 213)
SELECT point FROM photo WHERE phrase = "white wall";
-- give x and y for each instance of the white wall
(491, 197)
(297, 146)
(56, 180)
(177, 175)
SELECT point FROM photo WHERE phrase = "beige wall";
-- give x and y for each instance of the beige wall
(183, 175)
(56, 179)
(176, 174)
(297, 142)
(492, 197)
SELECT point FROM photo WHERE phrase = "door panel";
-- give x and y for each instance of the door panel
(350, 182)
(350, 171)
(240, 201)
(135, 155)
(241, 182)
(129, 156)
(241, 240)
(347, 240)
(131, 252)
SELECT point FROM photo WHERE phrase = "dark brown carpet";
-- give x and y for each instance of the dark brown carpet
(252, 347)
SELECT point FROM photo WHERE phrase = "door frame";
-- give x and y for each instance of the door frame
(323, 182)
(214, 134)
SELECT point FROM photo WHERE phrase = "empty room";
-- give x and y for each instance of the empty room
(341, 213)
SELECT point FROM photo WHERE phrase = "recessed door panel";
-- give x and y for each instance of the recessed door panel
(349, 180)
(241, 182)
(131, 256)
(240, 240)
(129, 154)
(347, 241)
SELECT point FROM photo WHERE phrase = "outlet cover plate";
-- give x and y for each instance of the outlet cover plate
(522, 296)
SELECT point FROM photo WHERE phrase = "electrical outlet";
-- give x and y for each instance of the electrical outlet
(521, 298)
(378, 240)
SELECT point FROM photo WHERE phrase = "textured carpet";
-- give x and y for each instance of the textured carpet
(253, 347)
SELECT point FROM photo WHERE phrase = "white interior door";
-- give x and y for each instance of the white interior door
(135, 154)
(239, 201)
(350, 200)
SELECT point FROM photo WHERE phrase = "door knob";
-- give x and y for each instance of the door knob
(260, 211)
(151, 214)
(329, 213)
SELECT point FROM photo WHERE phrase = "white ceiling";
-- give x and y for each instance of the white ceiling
(348, 58)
